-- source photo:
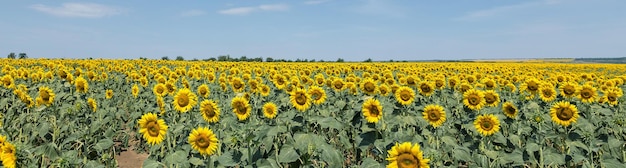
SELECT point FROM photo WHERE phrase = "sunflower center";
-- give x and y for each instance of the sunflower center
(338, 85)
(203, 91)
(489, 84)
(374, 110)
(486, 125)
(45, 96)
(433, 115)
(439, 83)
(203, 141)
(300, 98)
(280, 81)
(533, 86)
(490, 98)
(405, 95)
(564, 113)
(241, 108)
(611, 97)
(209, 111)
(410, 81)
(569, 90)
(369, 87)
(316, 95)
(153, 128)
(474, 99)
(585, 93)
(510, 109)
(425, 88)
(547, 92)
(406, 160)
(237, 85)
(183, 100)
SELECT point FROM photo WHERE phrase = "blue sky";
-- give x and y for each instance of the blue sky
(315, 29)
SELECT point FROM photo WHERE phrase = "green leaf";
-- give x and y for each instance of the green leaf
(492, 154)
(43, 130)
(149, 163)
(332, 156)
(287, 155)
(226, 159)
(554, 159)
(178, 157)
(330, 122)
(340, 104)
(41, 108)
(196, 161)
(611, 163)
(461, 155)
(103, 144)
(370, 163)
(448, 140)
(532, 147)
(614, 143)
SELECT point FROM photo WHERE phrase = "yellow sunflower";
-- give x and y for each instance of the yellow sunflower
(152, 128)
(569, 89)
(372, 110)
(530, 85)
(474, 99)
(487, 124)
(464, 87)
(509, 110)
(108, 94)
(406, 155)
(8, 155)
(184, 100)
(241, 107)
(160, 90)
(384, 90)
(135, 90)
(547, 93)
(612, 95)
(161, 104)
(338, 85)
(81, 84)
(491, 98)
(426, 88)
(237, 84)
(203, 140)
(46, 96)
(265, 90)
(564, 113)
(405, 95)
(300, 99)
(210, 111)
(270, 110)
(203, 90)
(171, 87)
(318, 95)
(369, 86)
(92, 104)
(587, 94)
(434, 114)
(7, 81)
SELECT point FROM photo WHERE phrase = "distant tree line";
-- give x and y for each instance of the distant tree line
(228, 58)
(19, 56)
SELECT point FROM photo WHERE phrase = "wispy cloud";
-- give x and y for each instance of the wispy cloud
(480, 14)
(84, 10)
(193, 12)
(315, 2)
(381, 7)
(250, 9)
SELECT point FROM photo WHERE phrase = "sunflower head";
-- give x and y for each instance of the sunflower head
(135, 90)
(372, 110)
(564, 113)
(265, 90)
(210, 111)
(569, 89)
(587, 93)
(92, 103)
(8, 154)
(426, 88)
(474, 99)
(300, 99)
(184, 100)
(369, 86)
(509, 110)
(46, 96)
(405, 95)
(152, 128)
(612, 95)
(434, 114)
(108, 94)
(384, 90)
(81, 84)
(203, 140)
(241, 107)
(270, 110)
(491, 98)
(203, 90)
(318, 95)
(487, 125)
(406, 155)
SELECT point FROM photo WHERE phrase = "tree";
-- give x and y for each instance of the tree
(269, 59)
(11, 56)
(23, 56)
(180, 58)
(340, 60)
(368, 60)
(165, 58)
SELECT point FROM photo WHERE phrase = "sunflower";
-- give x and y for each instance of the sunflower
(509, 110)
(152, 128)
(160, 89)
(184, 100)
(270, 110)
(241, 107)
(372, 110)
(170, 86)
(8, 155)
(464, 87)
(569, 89)
(46, 96)
(384, 89)
(237, 84)
(440, 83)
(161, 104)
(318, 95)
(210, 111)
(203, 90)
(300, 99)
(108, 94)
(490, 84)
(474, 99)
(530, 85)
(487, 124)
(265, 90)
(7, 81)
(587, 93)
(434, 114)
(369, 86)
(135, 90)
(426, 88)
(92, 103)
(203, 140)
(81, 84)
(491, 98)
(406, 155)
(564, 113)
(612, 95)
(405, 95)
(547, 93)
(338, 85)
(143, 81)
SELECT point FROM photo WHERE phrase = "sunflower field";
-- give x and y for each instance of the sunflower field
(83, 113)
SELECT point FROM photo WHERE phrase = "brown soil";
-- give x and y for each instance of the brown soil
(131, 159)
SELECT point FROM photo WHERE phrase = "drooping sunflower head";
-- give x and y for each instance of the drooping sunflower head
(405, 95)
(369, 86)
(135, 90)
(406, 155)
(588, 94)
(241, 107)
(92, 103)
(7, 81)
(434, 114)
(491, 98)
(372, 110)
(81, 84)
(184, 100)
(564, 113)
(318, 95)
(46, 96)
(426, 88)
(210, 111)
(612, 95)
(108, 94)
(152, 128)
(474, 99)
(300, 99)
(203, 90)
(203, 140)
(270, 110)
(509, 110)
(487, 125)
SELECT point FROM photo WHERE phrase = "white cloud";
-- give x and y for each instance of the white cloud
(315, 2)
(475, 15)
(381, 7)
(84, 10)
(250, 9)
(193, 12)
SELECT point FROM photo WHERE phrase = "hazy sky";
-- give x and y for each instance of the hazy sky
(315, 29)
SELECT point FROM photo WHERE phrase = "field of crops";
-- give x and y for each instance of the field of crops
(83, 113)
